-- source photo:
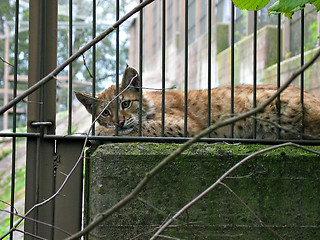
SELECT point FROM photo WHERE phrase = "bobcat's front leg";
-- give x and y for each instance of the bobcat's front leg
(148, 129)
(104, 131)
(174, 127)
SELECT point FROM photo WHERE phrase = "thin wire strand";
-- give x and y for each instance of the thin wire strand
(75, 165)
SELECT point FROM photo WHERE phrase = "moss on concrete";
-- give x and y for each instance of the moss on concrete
(281, 187)
(222, 36)
(290, 65)
(243, 56)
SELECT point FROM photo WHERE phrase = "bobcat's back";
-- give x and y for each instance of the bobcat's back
(293, 118)
(290, 115)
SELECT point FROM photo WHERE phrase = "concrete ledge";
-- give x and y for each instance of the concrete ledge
(282, 187)
(243, 54)
(290, 65)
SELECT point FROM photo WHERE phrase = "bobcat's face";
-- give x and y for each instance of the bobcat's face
(293, 114)
(128, 110)
(128, 104)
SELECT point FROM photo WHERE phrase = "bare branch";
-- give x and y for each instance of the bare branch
(34, 220)
(53, 75)
(30, 234)
(168, 237)
(204, 193)
(102, 216)
(77, 54)
(252, 212)
(16, 211)
(155, 170)
(85, 64)
(6, 62)
(76, 164)
(286, 129)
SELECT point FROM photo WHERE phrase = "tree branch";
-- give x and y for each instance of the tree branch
(45, 201)
(204, 193)
(57, 70)
(100, 217)
(252, 212)
(36, 221)
(4, 61)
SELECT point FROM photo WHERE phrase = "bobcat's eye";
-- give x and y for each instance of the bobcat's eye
(125, 104)
(106, 113)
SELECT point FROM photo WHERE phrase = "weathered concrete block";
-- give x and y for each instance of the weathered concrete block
(222, 36)
(290, 65)
(243, 57)
(281, 187)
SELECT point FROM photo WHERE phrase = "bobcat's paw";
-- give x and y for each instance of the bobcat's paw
(103, 131)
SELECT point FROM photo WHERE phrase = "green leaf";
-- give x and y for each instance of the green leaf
(289, 7)
(317, 4)
(251, 5)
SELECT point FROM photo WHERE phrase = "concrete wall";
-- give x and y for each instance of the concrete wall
(243, 54)
(221, 62)
(290, 65)
(282, 187)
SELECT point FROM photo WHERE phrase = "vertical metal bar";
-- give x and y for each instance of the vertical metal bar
(40, 152)
(14, 123)
(255, 59)
(163, 66)
(37, 182)
(232, 66)
(279, 72)
(302, 74)
(186, 69)
(13, 179)
(68, 204)
(117, 66)
(6, 76)
(70, 69)
(94, 58)
(140, 68)
(209, 60)
(86, 190)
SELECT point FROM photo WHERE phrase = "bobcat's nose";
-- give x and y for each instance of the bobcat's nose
(121, 123)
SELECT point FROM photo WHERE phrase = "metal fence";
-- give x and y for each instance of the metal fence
(50, 157)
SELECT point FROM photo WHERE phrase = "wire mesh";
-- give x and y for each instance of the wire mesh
(41, 133)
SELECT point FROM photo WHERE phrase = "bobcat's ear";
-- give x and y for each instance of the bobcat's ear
(86, 99)
(131, 75)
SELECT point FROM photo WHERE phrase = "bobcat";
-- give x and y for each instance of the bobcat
(291, 115)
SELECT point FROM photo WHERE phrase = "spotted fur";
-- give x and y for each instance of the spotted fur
(291, 111)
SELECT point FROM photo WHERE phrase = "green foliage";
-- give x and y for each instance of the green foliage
(5, 192)
(316, 3)
(251, 5)
(4, 153)
(287, 7)
(7, 10)
(82, 33)
(312, 40)
(62, 115)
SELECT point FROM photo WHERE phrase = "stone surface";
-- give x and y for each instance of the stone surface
(281, 187)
